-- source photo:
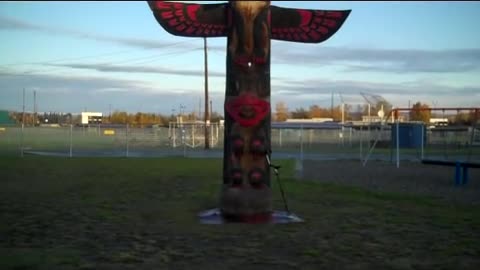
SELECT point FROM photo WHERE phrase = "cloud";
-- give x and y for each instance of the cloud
(75, 93)
(13, 24)
(383, 60)
(53, 82)
(319, 91)
(351, 59)
(138, 69)
(348, 87)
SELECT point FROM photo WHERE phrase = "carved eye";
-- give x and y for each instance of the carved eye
(256, 177)
(237, 144)
(257, 146)
(236, 176)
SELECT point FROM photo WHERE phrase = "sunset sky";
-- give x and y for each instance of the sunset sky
(97, 55)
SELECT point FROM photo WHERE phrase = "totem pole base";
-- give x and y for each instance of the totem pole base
(214, 216)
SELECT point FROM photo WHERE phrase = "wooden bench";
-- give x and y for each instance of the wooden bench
(460, 166)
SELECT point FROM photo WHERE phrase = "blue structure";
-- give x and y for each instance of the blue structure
(409, 135)
(461, 168)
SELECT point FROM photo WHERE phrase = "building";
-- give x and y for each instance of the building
(5, 118)
(310, 120)
(91, 118)
(438, 122)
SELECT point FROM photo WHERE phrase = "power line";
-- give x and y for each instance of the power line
(147, 59)
(86, 57)
(66, 59)
(167, 54)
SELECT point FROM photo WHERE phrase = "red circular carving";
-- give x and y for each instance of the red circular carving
(247, 109)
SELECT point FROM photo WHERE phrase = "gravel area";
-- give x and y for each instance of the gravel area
(409, 178)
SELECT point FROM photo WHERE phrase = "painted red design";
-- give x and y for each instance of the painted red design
(320, 25)
(306, 16)
(247, 110)
(167, 15)
(192, 11)
(238, 144)
(186, 19)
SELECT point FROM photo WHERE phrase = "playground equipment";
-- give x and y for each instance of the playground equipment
(191, 134)
(461, 168)
(394, 116)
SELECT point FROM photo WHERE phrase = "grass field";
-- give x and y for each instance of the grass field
(116, 213)
(314, 141)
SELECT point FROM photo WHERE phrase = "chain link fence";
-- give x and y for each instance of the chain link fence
(354, 142)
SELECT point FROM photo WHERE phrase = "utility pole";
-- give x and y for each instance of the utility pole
(23, 110)
(207, 116)
(331, 107)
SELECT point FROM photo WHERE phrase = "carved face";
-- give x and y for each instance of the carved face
(250, 36)
(247, 109)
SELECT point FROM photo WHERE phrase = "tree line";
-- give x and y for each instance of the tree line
(282, 113)
(147, 119)
(420, 112)
(117, 117)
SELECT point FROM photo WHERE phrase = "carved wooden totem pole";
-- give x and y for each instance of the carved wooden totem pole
(249, 26)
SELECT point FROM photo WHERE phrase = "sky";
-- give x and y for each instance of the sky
(107, 56)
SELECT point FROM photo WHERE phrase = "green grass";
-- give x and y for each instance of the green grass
(118, 213)
(58, 140)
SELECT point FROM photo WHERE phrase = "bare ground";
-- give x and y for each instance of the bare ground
(409, 178)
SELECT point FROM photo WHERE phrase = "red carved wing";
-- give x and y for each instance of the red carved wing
(303, 25)
(191, 20)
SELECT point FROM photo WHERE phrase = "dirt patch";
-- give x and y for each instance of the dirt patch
(409, 178)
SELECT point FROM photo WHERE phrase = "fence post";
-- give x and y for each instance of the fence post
(71, 139)
(398, 143)
(301, 143)
(421, 143)
(174, 135)
(211, 134)
(183, 142)
(361, 143)
(126, 138)
(193, 134)
(280, 137)
(350, 136)
(299, 162)
(21, 140)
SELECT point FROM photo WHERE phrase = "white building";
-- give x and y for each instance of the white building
(439, 121)
(91, 118)
(312, 120)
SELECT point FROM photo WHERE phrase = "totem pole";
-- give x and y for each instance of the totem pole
(249, 26)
